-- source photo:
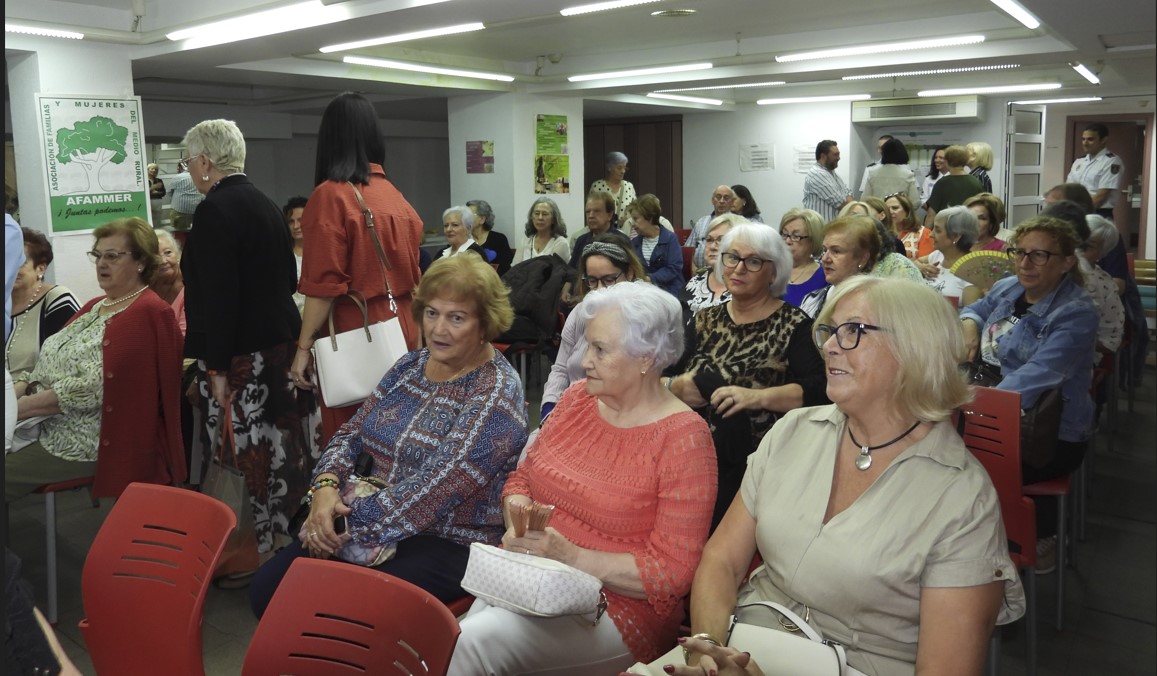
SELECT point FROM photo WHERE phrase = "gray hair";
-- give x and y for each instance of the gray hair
(768, 245)
(464, 212)
(651, 321)
(557, 228)
(221, 141)
(1099, 226)
(165, 234)
(484, 212)
(615, 158)
(960, 223)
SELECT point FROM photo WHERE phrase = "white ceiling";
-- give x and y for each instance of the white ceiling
(531, 40)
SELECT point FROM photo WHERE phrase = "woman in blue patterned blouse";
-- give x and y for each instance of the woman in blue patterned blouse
(443, 429)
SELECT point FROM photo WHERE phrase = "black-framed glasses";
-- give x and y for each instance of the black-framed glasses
(752, 263)
(792, 237)
(847, 334)
(106, 256)
(605, 280)
(1038, 257)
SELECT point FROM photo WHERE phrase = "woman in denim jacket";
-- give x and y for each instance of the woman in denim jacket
(1040, 328)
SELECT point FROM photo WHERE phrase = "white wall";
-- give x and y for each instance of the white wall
(711, 144)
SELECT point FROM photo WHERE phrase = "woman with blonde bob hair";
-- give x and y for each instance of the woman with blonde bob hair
(802, 231)
(934, 577)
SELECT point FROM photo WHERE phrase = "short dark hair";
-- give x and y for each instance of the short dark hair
(750, 208)
(1071, 213)
(297, 202)
(38, 247)
(1075, 192)
(894, 152)
(348, 141)
(824, 147)
(1101, 129)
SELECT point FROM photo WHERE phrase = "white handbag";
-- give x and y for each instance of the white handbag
(531, 585)
(350, 364)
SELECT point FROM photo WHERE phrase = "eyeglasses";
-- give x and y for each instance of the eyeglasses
(752, 263)
(721, 198)
(1038, 257)
(847, 334)
(596, 282)
(792, 237)
(895, 194)
(107, 256)
(712, 240)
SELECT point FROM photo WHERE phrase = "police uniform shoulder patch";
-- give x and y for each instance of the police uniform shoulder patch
(1115, 168)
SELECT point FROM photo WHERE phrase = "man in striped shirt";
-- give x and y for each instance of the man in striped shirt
(823, 191)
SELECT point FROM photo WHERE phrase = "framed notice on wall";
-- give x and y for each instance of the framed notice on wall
(94, 156)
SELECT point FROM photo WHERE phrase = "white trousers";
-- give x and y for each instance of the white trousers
(497, 642)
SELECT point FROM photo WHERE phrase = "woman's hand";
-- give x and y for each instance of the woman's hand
(219, 388)
(712, 659)
(732, 399)
(301, 371)
(971, 338)
(683, 386)
(547, 543)
(320, 538)
(928, 270)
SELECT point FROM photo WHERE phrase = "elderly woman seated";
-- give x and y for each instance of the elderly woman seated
(750, 359)
(458, 225)
(954, 230)
(803, 233)
(657, 246)
(168, 283)
(631, 473)
(605, 262)
(706, 287)
(434, 442)
(851, 246)
(874, 522)
(39, 308)
(119, 357)
(1102, 238)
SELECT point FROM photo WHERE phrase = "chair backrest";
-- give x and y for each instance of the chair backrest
(991, 430)
(330, 618)
(688, 262)
(683, 236)
(145, 580)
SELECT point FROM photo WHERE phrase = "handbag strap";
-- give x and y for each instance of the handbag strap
(226, 424)
(386, 267)
(360, 301)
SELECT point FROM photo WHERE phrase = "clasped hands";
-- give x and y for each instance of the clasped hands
(320, 538)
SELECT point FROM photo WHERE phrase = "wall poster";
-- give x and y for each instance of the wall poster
(94, 151)
(480, 157)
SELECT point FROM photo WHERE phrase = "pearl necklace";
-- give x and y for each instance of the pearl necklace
(106, 303)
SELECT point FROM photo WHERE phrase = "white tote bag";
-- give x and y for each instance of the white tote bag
(350, 364)
(531, 585)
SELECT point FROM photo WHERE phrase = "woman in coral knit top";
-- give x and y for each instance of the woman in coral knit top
(631, 472)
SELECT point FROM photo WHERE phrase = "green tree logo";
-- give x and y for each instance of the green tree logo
(92, 145)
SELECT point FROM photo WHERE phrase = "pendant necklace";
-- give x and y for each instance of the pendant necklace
(864, 460)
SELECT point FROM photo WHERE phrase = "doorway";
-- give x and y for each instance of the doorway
(654, 149)
(1127, 140)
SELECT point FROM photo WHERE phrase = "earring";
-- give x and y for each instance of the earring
(40, 278)
(642, 373)
(140, 269)
(204, 177)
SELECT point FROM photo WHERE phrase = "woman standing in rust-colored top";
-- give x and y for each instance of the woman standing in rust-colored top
(339, 254)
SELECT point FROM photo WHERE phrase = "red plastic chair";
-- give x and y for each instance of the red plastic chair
(683, 235)
(1058, 488)
(49, 492)
(460, 606)
(145, 580)
(688, 262)
(991, 430)
(330, 618)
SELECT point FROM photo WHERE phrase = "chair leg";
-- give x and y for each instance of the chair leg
(1029, 580)
(1113, 396)
(992, 668)
(1082, 500)
(1062, 559)
(50, 553)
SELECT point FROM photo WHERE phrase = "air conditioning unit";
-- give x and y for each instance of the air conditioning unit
(933, 109)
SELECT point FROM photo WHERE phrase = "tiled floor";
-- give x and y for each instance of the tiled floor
(1110, 599)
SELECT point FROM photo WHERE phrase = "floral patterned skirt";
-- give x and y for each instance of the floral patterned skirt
(276, 431)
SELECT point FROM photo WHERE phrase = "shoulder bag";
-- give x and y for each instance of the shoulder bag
(351, 364)
(225, 482)
(1039, 425)
(532, 585)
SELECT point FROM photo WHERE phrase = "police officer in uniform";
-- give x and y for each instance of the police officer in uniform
(1099, 170)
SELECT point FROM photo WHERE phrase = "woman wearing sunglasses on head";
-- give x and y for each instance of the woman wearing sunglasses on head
(750, 359)
(875, 523)
(606, 261)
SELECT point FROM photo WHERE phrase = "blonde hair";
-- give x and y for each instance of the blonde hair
(923, 333)
(467, 278)
(812, 221)
(1062, 233)
(981, 153)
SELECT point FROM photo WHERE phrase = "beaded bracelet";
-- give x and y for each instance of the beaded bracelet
(321, 483)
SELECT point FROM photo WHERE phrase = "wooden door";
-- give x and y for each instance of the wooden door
(654, 149)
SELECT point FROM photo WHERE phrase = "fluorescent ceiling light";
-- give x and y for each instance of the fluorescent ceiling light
(603, 6)
(815, 99)
(881, 47)
(403, 37)
(258, 24)
(937, 71)
(1013, 9)
(43, 32)
(421, 68)
(1086, 73)
(639, 71)
(1132, 48)
(1001, 89)
(689, 99)
(1075, 99)
(730, 86)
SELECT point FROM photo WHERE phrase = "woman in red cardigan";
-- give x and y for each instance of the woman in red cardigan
(109, 381)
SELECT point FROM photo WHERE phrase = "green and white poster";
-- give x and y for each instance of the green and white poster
(94, 152)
